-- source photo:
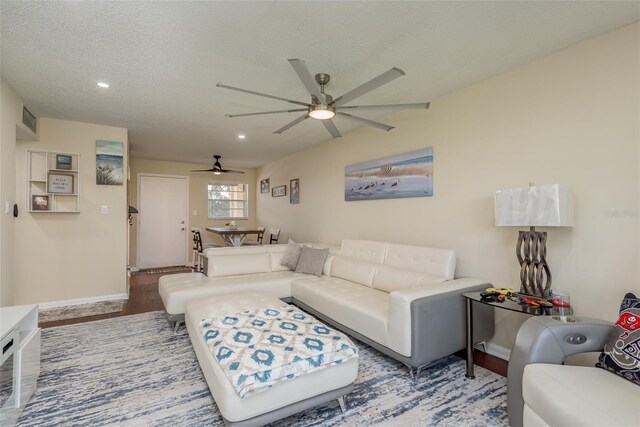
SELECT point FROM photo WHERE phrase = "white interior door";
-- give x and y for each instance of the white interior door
(162, 221)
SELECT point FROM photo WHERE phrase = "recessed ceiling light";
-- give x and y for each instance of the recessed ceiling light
(103, 84)
(242, 136)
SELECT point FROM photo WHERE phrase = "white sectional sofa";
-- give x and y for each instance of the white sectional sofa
(400, 299)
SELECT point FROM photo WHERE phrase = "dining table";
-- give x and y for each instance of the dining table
(233, 236)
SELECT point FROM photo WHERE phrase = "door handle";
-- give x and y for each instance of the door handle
(182, 229)
(181, 222)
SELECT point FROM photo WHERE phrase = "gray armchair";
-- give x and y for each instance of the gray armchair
(549, 340)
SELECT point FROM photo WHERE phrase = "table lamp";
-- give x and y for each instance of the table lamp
(534, 206)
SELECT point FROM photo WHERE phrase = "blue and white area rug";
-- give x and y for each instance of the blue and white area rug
(133, 371)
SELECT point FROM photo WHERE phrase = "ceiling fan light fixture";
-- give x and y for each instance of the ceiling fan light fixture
(322, 111)
(217, 173)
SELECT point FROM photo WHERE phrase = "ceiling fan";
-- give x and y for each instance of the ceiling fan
(217, 168)
(323, 106)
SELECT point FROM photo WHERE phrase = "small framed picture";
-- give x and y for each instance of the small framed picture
(279, 191)
(264, 185)
(63, 162)
(294, 191)
(39, 203)
(59, 183)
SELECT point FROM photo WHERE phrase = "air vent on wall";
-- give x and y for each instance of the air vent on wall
(29, 120)
(27, 128)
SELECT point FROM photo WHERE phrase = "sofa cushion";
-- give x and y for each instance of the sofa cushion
(433, 261)
(579, 395)
(357, 307)
(364, 250)
(276, 252)
(292, 255)
(620, 354)
(353, 270)
(231, 250)
(391, 279)
(231, 265)
(176, 293)
(312, 261)
(333, 249)
(328, 263)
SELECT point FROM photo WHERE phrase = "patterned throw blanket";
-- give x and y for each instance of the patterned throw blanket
(259, 348)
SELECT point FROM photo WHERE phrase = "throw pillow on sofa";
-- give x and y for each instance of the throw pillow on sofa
(291, 256)
(312, 260)
(620, 352)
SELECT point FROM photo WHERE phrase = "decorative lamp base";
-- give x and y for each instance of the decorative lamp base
(531, 251)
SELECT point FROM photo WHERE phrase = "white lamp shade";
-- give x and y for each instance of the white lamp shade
(535, 206)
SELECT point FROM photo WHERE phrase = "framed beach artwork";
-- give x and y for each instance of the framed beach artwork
(109, 167)
(294, 193)
(397, 176)
(264, 185)
(63, 162)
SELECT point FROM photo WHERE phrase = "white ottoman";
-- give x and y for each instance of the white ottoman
(281, 400)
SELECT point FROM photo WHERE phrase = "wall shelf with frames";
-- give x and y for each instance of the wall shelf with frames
(53, 182)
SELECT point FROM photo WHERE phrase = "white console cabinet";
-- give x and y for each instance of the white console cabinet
(20, 360)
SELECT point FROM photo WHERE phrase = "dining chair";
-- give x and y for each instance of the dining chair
(258, 238)
(274, 235)
(198, 248)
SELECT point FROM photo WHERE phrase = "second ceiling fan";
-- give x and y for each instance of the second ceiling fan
(323, 106)
(217, 167)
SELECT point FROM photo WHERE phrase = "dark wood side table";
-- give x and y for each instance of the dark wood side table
(507, 304)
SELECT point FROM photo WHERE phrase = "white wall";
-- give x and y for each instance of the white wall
(572, 117)
(68, 256)
(10, 114)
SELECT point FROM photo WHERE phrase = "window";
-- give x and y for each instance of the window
(227, 201)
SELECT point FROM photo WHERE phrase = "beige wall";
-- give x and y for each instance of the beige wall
(10, 114)
(197, 196)
(67, 256)
(572, 117)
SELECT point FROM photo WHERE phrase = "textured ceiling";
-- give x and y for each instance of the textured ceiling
(163, 60)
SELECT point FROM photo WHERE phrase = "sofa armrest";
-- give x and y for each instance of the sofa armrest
(434, 316)
(549, 339)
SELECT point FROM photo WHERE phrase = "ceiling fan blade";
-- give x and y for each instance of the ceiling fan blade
(293, 123)
(307, 79)
(267, 112)
(420, 105)
(230, 171)
(331, 127)
(372, 84)
(203, 170)
(368, 122)
(261, 94)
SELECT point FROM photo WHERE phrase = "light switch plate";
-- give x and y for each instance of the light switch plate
(104, 210)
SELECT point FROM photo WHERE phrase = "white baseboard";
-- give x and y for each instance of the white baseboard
(498, 351)
(89, 300)
(134, 269)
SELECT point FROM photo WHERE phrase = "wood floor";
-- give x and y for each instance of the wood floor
(144, 297)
